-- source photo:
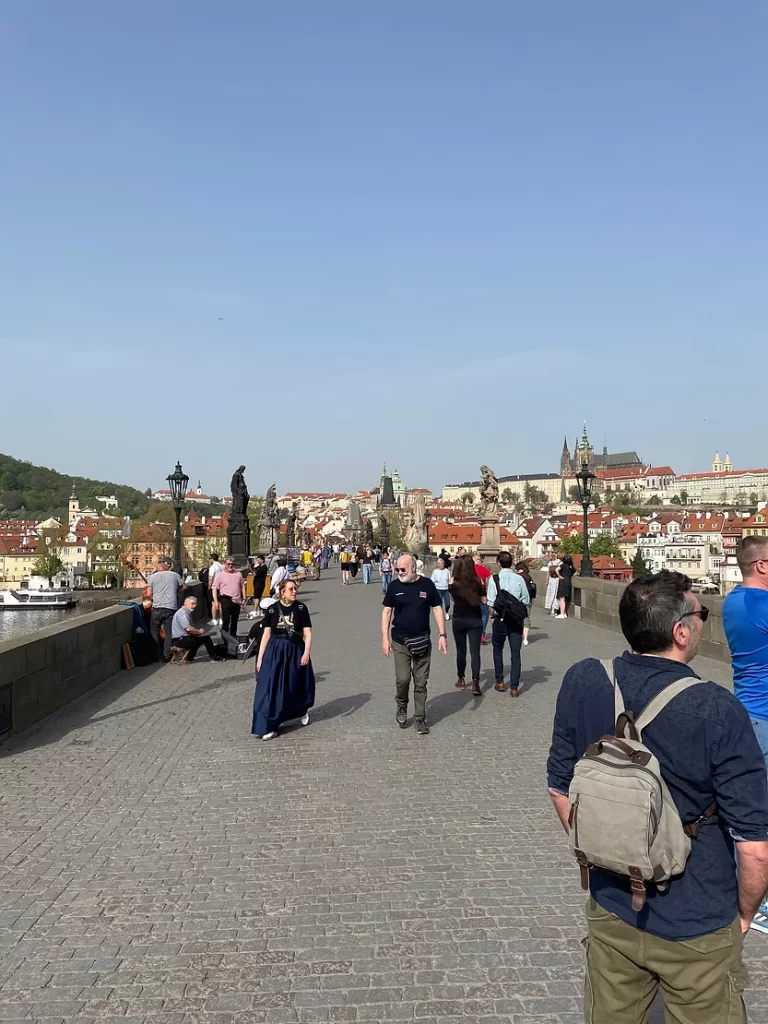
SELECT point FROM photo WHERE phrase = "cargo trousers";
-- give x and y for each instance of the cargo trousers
(406, 666)
(702, 980)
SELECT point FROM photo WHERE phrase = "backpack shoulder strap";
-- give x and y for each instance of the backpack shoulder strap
(660, 701)
(618, 700)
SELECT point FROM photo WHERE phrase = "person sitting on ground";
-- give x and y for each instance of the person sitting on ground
(190, 638)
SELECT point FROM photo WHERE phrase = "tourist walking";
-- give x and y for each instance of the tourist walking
(468, 595)
(686, 936)
(346, 560)
(445, 557)
(386, 569)
(368, 560)
(525, 572)
(508, 622)
(441, 577)
(229, 597)
(484, 574)
(745, 618)
(354, 562)
(278, 575)
(550, 597)
(202, 575)
(285, 680)
(565, 571)
(407, 605)
(214, 568)
(165, 586)
(336, 551)
(188, 638)
(259, 578)
(317, 558)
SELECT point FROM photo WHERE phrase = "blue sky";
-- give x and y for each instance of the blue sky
(313, 237)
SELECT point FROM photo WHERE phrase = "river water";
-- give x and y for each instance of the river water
(16, 623)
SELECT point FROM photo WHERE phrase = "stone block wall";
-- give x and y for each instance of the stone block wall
(42, 671)
(597, 601)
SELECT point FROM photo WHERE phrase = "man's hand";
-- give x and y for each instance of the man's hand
(386, 647)
(442, 645)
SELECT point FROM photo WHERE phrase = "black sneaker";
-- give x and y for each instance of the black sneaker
(402, 717)
(421, 727)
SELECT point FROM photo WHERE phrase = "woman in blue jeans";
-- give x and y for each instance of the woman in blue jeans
(386, 569)
(441, 577)
(468, 596)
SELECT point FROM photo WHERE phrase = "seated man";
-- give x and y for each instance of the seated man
(187, 637)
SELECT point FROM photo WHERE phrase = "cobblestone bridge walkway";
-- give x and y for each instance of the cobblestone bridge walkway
(159, 864)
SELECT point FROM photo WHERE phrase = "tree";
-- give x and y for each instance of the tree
(48, 565)
(753, 498)
(507, 496)
(158, 512)
(573, 494)
(654, 500)
(683, 497)
(639, 565)
(674, 500)
(255, 508)
(514, 497)
(572, 544)
(106, 559)
(604, 544)
(467, 498)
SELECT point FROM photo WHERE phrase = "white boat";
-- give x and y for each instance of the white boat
(18, 600)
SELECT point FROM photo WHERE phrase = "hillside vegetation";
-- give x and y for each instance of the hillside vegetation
(34, 492)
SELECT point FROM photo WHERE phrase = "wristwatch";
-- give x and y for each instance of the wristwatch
(444, 634)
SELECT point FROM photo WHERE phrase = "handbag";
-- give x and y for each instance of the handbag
(418, 645)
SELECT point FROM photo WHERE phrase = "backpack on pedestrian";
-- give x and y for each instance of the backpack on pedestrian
(622, 818)
(510, 609)
(531, 587)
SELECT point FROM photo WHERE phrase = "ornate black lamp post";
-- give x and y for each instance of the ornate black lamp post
(584, 481)
(177, 482)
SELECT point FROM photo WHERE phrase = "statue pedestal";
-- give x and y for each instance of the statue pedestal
(239, 540)
(490, 545)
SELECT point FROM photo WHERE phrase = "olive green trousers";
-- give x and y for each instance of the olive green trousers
(701, 980)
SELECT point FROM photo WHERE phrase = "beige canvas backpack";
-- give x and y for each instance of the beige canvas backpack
(622, 818)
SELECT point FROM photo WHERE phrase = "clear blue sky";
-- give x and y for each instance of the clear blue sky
(433, 233)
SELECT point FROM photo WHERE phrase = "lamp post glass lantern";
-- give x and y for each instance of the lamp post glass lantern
(584, 482)
(177, 481)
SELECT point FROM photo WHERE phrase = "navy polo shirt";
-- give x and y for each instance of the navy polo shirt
(707, 750)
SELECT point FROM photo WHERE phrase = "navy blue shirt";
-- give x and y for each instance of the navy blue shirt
(412, 603)
(707, 750)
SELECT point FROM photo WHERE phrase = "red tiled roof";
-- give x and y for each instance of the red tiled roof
(707, 476)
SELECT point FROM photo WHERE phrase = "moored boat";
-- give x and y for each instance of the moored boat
(24, 598)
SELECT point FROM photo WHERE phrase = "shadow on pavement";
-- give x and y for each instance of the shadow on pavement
(446, 704)
(533, 675)
(341, 707)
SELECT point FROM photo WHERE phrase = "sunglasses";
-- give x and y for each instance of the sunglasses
(402, 570)
(229, 563)
(703, 612)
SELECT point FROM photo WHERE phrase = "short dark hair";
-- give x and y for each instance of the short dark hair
(214, 555)
(749, 549)
(505, 561)
(649, 609)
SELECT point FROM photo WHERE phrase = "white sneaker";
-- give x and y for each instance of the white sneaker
(561, 616)
(447, 617)
(213, 622)
(219, 622)
(525, 643)
(269, 735)
(305, 719)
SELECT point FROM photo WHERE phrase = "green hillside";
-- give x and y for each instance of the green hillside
(34, 492)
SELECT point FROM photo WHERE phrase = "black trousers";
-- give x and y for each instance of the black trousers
(230, 614)
(500, 635)
(467, 630)
(193, 645)
(162, 617)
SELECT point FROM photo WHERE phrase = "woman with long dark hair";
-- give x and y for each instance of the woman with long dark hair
(468, 599)
(285, 680)
(522, 570)
(565, 572)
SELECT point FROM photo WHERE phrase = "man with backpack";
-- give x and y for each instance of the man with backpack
(508, 601)
(654, 777)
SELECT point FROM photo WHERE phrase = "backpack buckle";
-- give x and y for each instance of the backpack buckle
(639, 890)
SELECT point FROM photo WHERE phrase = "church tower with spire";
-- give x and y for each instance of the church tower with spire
(566, 467)
(585, 452)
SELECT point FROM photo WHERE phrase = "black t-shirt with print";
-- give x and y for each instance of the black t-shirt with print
(412, 603)
(288, 622)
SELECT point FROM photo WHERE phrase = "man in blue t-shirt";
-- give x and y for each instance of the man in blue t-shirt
(745, 619)
(410, 598)
(689, 938)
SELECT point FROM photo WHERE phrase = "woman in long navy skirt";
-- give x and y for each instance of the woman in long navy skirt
(285, 681)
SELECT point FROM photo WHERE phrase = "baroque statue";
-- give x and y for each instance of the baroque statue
(240, 496)
(269, 524)
(415, 517)
(293, 515)
(489, 494)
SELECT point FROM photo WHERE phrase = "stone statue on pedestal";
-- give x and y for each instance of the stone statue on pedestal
(369, 532)
(239, 528)
(416, 539)
(269, 524)
(489, 494)
(383, 531)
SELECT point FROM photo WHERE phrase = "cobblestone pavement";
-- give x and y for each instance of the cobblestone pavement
(159, 864)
